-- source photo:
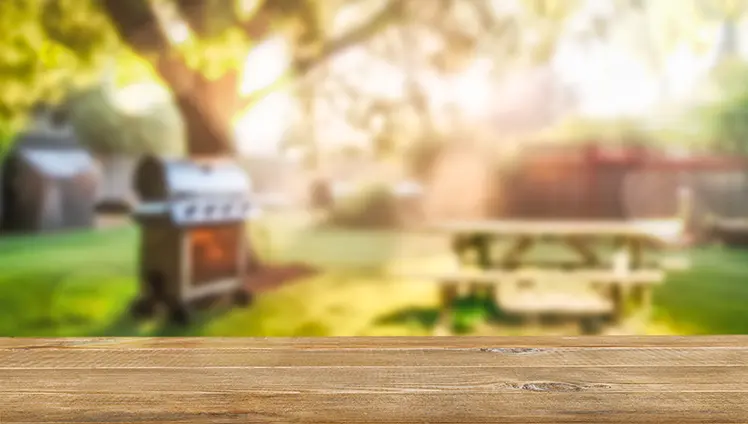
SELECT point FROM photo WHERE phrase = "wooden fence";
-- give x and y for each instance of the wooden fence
(595, 183)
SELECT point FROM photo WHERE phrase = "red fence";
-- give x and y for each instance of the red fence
(606, 183)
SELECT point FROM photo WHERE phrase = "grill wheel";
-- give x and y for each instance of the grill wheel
(180, 314)
(143, 308)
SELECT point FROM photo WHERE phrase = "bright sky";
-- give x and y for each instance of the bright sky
(613, 81)
(260, 131)
(609, 81)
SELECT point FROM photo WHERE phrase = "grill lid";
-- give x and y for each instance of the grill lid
(162, 178)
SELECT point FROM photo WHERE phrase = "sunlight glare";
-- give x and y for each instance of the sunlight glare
(248, 8)
(472, 88)
(179, 33)
(261, 129)
(265, 64)
(176, 29)
(138, 99)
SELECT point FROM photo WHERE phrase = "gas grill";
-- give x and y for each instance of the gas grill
(193, 243)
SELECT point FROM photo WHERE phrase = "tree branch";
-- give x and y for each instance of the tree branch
(303, 65)
(138, 25)
(194, 13)
(387, 16)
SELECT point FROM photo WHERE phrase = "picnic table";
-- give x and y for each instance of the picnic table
(616, 263)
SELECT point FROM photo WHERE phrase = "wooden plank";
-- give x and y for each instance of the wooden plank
(374, 379)
(364, 380)
(542, 406)
(484, 353)
(25, 345)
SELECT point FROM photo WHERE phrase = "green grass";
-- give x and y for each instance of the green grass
(65, 284)
(81, 284)
(711, 298)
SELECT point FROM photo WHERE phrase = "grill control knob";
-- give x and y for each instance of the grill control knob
(209, 211)
(196, 212)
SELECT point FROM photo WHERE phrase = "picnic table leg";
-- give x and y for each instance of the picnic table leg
(581, 246)
(478, 244)
(619, 302)
(482, 249)
(636, 252)
(630, 257)
(448, 296)
(642, 296)
(638, 294)
(512, 258)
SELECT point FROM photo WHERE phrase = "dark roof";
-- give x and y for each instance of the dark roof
(38, 140)
(52, 155)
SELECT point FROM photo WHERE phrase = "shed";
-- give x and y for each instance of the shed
(48, 183)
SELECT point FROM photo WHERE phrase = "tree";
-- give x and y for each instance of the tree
(728, 13)
(430, 48)
(724, 121)
(206, 86)
(197, 47)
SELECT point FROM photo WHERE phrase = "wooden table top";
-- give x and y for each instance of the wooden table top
(657, 230)
(366, 380)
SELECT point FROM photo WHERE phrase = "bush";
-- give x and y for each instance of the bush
(375, 208)
(422, 156)
(732, 234)
(321, 195)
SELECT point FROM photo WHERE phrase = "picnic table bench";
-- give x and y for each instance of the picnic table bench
(619, 261)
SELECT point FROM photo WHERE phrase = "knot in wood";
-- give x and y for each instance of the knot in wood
(551, 387)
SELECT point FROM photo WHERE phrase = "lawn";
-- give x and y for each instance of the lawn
(80, 284)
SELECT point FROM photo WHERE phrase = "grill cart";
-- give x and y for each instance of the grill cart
(193, 244)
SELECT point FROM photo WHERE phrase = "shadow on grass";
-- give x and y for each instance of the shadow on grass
(467, 313)
(268, 278)
(421, 317)
(127, 326)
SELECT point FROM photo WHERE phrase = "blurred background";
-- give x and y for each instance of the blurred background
(359, 127)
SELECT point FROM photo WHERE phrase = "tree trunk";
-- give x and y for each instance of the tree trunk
(207, 122)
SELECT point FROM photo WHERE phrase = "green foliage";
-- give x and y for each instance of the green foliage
(215, 55)
(7, 133)
(374, 207)
(725, 121)
(728, 124)
(103, 126)
(618, 131)
(45, 47)
(129, 68)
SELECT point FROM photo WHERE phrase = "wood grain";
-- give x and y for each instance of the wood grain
(367, 380)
